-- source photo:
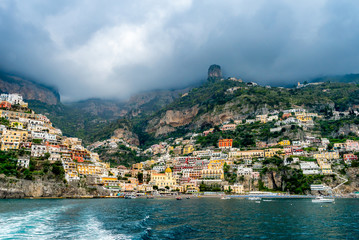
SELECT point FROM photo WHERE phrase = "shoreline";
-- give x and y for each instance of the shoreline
(184, 196)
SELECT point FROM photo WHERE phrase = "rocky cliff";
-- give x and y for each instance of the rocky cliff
(214, 72)
(11, 187)
(28, 89)
(171, 120)
(128, 136)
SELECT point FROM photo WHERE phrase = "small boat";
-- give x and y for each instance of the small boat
(130, 197)
(178, 198)
(150, 197)
(254, 198)
(321, 199)
(257, 201)
(188, 198)
(225, 198)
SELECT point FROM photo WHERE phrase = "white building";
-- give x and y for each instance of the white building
(14, 98)
(309, 168)
(244, 171)
(159, 168)
(38, 150)
(23, 162)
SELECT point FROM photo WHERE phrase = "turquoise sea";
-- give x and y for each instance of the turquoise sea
(200, 218)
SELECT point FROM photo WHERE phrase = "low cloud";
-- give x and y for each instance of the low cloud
(113, 49)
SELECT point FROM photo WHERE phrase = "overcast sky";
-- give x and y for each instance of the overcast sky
(112, 49)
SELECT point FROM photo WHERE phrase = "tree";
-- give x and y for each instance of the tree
(140, 177)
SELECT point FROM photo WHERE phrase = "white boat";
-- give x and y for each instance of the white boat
(321, 199)
(254, 198)
(130, 197)
(225, 198)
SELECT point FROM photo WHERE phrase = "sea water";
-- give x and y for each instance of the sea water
(196, 218)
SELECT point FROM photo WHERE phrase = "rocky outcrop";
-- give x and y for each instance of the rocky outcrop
(171, 120)
(19, 188)
(28, 89)
(346, 129)
(128, 136)
(214, 72)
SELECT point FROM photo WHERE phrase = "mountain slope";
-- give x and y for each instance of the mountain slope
(30, 90)
(215, 103)
(348, 78)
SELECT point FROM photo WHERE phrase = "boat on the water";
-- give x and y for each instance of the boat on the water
(225, 198)
(130, 197)
(178, 198)
(321, 199)
(254, 198)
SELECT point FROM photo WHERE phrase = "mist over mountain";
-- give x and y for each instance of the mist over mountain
(113, 50)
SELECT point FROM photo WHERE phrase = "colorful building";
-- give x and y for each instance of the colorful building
(225, 143)
(188, 149)
(163, 180)
(284, 143)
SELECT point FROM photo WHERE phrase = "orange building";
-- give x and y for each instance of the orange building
(80, 155)
(5, 104)
(225, 143)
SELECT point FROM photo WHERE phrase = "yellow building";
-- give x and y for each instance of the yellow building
(189, 188)
(236, 188)
(284, 143)
(163, 180)
(88, 169)
(327, 155)
(262, 118)
(12, 138)
(70, 170)
(304, 119)
(214, 170)
(250, 154)
(137, 166)
(270, 152)
(325, 166)
(188, 149)
(110, 182)
(17, 115)
(17, 125)
(339, 145)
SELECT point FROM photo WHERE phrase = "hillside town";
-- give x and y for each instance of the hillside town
(179, 165)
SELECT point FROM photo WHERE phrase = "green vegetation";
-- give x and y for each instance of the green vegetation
(37, 168)
(73, 122)
(291, 180)
(213, 97)
(210, 188)
(4, 121)
(123, 156)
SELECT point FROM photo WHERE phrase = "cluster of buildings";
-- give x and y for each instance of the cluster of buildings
(182, 165)
(22, 128)
(176, 164)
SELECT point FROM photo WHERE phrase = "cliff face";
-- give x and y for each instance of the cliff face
(20, 188)
(214, 72)
(127, 136)
(171, 120)
(28, 89)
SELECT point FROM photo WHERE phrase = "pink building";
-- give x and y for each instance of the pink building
(348, 158)
(352, 145)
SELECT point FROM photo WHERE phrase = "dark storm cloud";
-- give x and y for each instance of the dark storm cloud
(112, 49)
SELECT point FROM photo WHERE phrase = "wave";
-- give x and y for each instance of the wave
(35, 223)
(94, 230)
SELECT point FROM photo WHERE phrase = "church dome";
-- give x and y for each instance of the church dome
(168, 170)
